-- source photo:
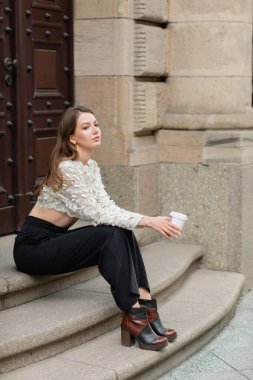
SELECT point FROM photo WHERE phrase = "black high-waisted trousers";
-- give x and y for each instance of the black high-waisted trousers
(41, 248)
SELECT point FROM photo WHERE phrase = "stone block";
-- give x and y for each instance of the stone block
(142, 150)
(218, 154)
(150, 50)
(215, 10)
(151, 10)
(138, 190)
(148, 189)
(141, 141)
(180, 154)
(113, 100)
(234, 147)
(148, 10)
(179, 138)
(201, 193)
(232, 139)
(145, 155)
(101, 47)
(219, 203)
(206, 147)
(148, 105)
(247, 223)
(110, 99)
(210, 95)
(135, 189)
(212, 121)
(121, 111)
(146, 236)
(121, 185)
(208, 49)
(94, 9)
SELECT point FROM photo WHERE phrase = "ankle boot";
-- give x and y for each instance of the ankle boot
(155, 321)
(135, 326)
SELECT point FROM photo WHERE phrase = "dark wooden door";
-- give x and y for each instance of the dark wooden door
(43, 88)
(7, 120)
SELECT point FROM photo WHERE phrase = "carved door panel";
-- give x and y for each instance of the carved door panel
(43, 84)
(7, 119)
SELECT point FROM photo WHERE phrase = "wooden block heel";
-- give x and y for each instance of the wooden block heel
(127, 339)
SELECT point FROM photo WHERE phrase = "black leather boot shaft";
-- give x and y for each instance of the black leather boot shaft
(155, 321)
(148, 303)
(140, 312)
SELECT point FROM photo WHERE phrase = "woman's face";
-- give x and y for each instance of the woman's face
(87, 135)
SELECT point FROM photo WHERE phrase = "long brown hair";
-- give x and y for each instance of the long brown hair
(63, 149)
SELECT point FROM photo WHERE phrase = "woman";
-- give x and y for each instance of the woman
(73, 190)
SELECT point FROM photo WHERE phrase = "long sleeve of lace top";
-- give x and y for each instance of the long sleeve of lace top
(84, 196)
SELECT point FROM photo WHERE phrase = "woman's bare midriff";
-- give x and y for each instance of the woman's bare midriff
(58, 218)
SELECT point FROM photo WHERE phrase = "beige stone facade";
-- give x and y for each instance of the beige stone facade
(171, 84)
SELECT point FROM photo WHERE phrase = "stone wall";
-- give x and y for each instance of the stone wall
(210, 64)
(135, 189)
(171, 83)
(218, 200)
(121, 60)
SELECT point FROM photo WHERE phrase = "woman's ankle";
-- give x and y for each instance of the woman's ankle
(136, 305)
(144, 294)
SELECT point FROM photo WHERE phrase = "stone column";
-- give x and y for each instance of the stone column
(206, 143)
(210, 64)
(120, 56)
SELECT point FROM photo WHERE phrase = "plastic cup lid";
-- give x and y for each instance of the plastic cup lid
(178, 215)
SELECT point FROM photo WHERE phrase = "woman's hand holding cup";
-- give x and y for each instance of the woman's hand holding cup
(162, 225)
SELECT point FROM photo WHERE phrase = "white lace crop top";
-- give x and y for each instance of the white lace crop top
(83, 196)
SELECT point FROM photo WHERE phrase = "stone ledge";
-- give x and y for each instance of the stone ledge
(206, 147)
(83, 311)
(193, 121)
(143, 155)
(17, 288)
(211, 146)
(197, 310)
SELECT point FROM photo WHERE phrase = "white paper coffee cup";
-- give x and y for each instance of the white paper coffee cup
(178, 219)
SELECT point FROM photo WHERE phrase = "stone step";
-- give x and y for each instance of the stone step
(199, 309)
(17, 288)
(69, 317)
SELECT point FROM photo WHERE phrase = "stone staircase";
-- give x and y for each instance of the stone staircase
(67, 326)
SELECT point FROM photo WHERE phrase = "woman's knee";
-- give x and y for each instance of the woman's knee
(116, 241)
(120, 233)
